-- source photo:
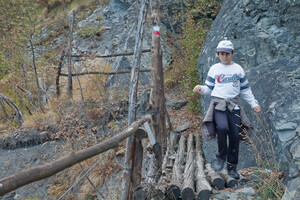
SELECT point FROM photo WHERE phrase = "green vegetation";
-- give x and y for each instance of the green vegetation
(197, 20)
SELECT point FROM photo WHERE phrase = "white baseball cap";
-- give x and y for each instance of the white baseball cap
(225, 46)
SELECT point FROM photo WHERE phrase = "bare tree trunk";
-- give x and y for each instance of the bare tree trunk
(82, 101)
(29, 96)
(36, 75)
(43, 86)
(70, 84)
(30, 175)
(24, 75)
(59, 72)
(134, 148)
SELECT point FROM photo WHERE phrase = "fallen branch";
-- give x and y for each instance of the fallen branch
(18, 117)
(29, 96)
(30, 175)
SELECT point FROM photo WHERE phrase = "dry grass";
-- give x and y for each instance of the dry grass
(267, 171)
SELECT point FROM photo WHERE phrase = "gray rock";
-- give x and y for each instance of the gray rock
(176, 105)
(266, 37)
(126, 42)
(283, 125)
(292, 191)
(244, 193)
(295, 149)
(183, 127)
(286, 130)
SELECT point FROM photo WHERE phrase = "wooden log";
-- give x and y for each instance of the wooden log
(165, 162)
(91, 56)
(173, 141)
(230, 182)
(136, 175)
(203, 188)
(104, 73)
(215, 179)
(174, 190)
(172, 145)
(189, 171)
(243, 180)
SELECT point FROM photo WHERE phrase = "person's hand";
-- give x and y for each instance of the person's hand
(197, 88)
(257, 109)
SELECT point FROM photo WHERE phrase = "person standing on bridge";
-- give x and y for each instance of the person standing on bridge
(225, 82)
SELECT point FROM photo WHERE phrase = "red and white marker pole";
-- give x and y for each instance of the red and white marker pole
(156, 30)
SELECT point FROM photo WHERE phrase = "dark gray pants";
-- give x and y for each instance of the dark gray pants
(228, 124)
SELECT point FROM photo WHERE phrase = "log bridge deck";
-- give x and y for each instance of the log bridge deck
(185, 173)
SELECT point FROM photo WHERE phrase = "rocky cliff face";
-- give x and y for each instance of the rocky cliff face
(266, 37)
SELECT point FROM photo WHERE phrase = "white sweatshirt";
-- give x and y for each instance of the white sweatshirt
(227, 82)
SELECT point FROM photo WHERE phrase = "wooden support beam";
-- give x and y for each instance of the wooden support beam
(243, 180)
(230, 182)
(92, 56)
(105, 73)
(215, 179)
(203, 188)
(188, 191)
(174, 190)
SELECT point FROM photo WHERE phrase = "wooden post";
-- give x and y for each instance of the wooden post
(35, 74)
(134, 148)
(157, 97)
(70, 84)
